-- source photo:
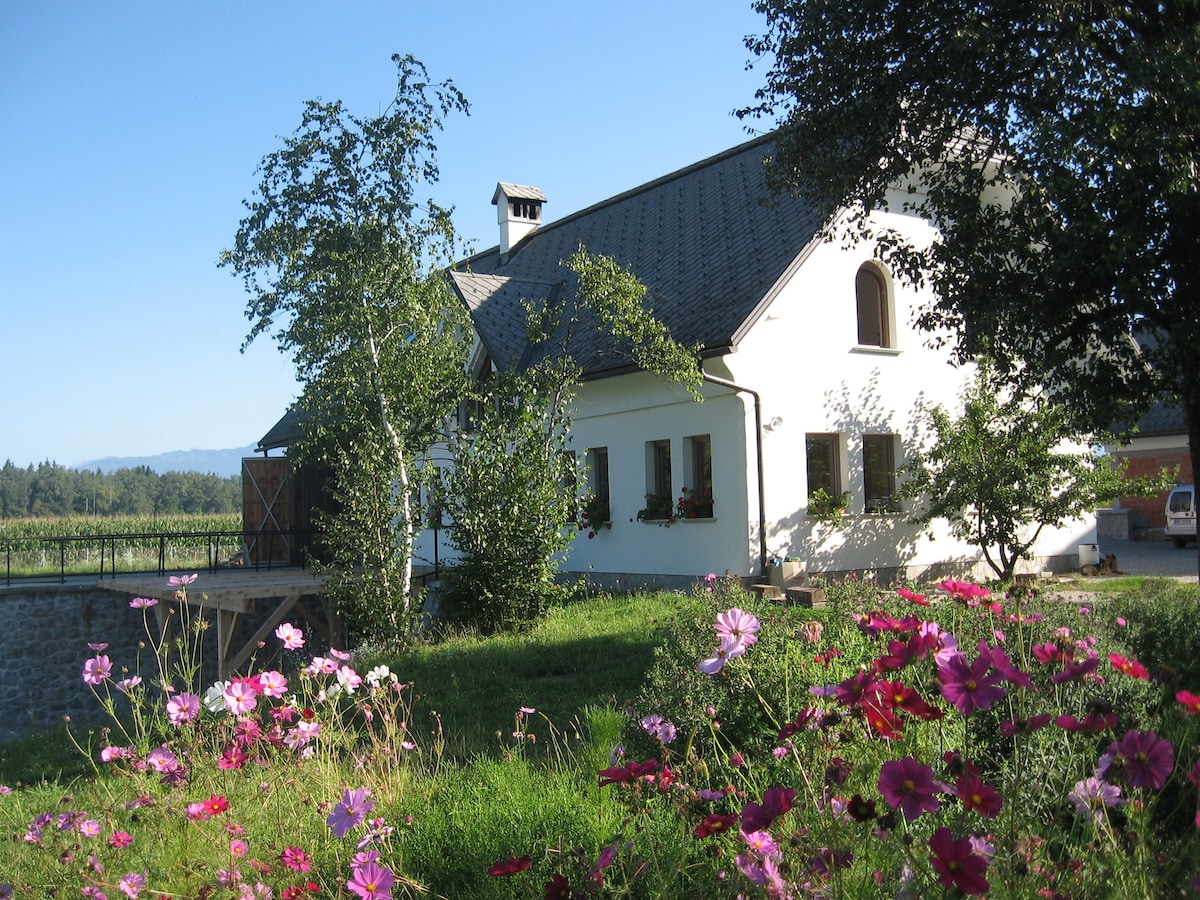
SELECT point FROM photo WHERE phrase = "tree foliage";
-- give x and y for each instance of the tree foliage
(344, 261)
(1054, 146)
(1008, 467)
(511, 494)
(53, 490)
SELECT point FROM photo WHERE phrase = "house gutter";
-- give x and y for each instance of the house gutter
(758, 456)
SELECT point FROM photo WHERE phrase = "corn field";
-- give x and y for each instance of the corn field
(85, 545)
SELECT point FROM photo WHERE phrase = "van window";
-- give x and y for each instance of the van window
(1180, 502)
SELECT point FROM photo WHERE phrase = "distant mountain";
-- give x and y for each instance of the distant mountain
(225, 463)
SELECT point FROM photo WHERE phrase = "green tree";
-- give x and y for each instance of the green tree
(1006, 468)
(511, 493)
(1054, 146)
(345, 263)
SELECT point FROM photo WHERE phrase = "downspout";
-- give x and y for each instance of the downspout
(758, 456)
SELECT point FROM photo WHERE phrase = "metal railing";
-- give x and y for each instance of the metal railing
(57, 559)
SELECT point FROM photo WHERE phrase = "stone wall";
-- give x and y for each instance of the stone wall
(44, 635)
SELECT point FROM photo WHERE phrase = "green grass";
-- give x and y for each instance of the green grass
(583, 655)
(1117, 584)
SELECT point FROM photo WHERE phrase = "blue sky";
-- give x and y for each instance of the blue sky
(132, 131)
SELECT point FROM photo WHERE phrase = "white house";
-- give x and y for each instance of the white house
(815, 379)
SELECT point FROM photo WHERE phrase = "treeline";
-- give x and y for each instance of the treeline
(54, 490)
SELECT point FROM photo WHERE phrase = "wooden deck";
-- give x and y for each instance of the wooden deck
(232, 594)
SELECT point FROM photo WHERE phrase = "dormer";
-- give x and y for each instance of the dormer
(518, 212)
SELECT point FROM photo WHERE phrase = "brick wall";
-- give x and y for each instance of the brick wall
(1146, 513)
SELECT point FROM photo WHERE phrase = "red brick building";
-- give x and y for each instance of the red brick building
(1161, 442)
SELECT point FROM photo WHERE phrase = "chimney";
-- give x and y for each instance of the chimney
(518, 212)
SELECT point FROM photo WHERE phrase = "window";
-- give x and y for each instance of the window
(879, 473)
(597, 460)
(660, 497)
(873, 319)
(824, 463)
(697, 499)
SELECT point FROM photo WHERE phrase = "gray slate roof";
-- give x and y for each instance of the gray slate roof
(708, 241)
(1162, 419)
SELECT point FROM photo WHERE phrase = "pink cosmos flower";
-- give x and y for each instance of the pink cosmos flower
(737, 625)
(89, 828)
(911, 597)
(662, 729)
(238, 848)
(183, 708)
(728, 649)
(957, 864)
(273, 684)
(162, 760)
(372, 881)
(181, 580)
(1141, 757)
(909, 786)
(1092, 796)
(292, 637)
(353, 808)
(240, 697)
(972, 687)
(142, 603)
(97, 669)
(762, 843)
(132, 884)
(349, 679)
(120, 839)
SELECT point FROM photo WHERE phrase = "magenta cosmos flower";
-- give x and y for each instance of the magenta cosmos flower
(909, 786)
(957, 863)
(351, 811)
(1142, 758)
(372, 881)
(970, 687)
(963, 591)
(737, 625)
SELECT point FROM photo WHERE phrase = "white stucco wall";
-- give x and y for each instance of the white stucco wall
(802, 357)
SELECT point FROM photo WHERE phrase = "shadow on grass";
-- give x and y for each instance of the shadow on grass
(585, 656)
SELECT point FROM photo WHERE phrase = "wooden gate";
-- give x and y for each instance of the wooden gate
(267, 515)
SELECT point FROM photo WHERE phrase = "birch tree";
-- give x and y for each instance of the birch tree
(343, 258)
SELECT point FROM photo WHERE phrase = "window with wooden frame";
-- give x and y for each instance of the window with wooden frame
(696, 500)
(879, 473)
(824, 461)
(874, 321)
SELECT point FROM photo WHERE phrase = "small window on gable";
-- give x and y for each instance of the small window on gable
(696, 501)
(824, 463)
(879, 473)
(874, 322)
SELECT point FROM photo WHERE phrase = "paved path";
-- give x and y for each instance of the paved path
(1152, 558)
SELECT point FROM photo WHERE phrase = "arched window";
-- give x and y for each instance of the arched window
(874, 327)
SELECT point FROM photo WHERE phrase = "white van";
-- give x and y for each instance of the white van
(1181, 514)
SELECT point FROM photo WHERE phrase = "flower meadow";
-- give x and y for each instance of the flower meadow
(941, 741)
